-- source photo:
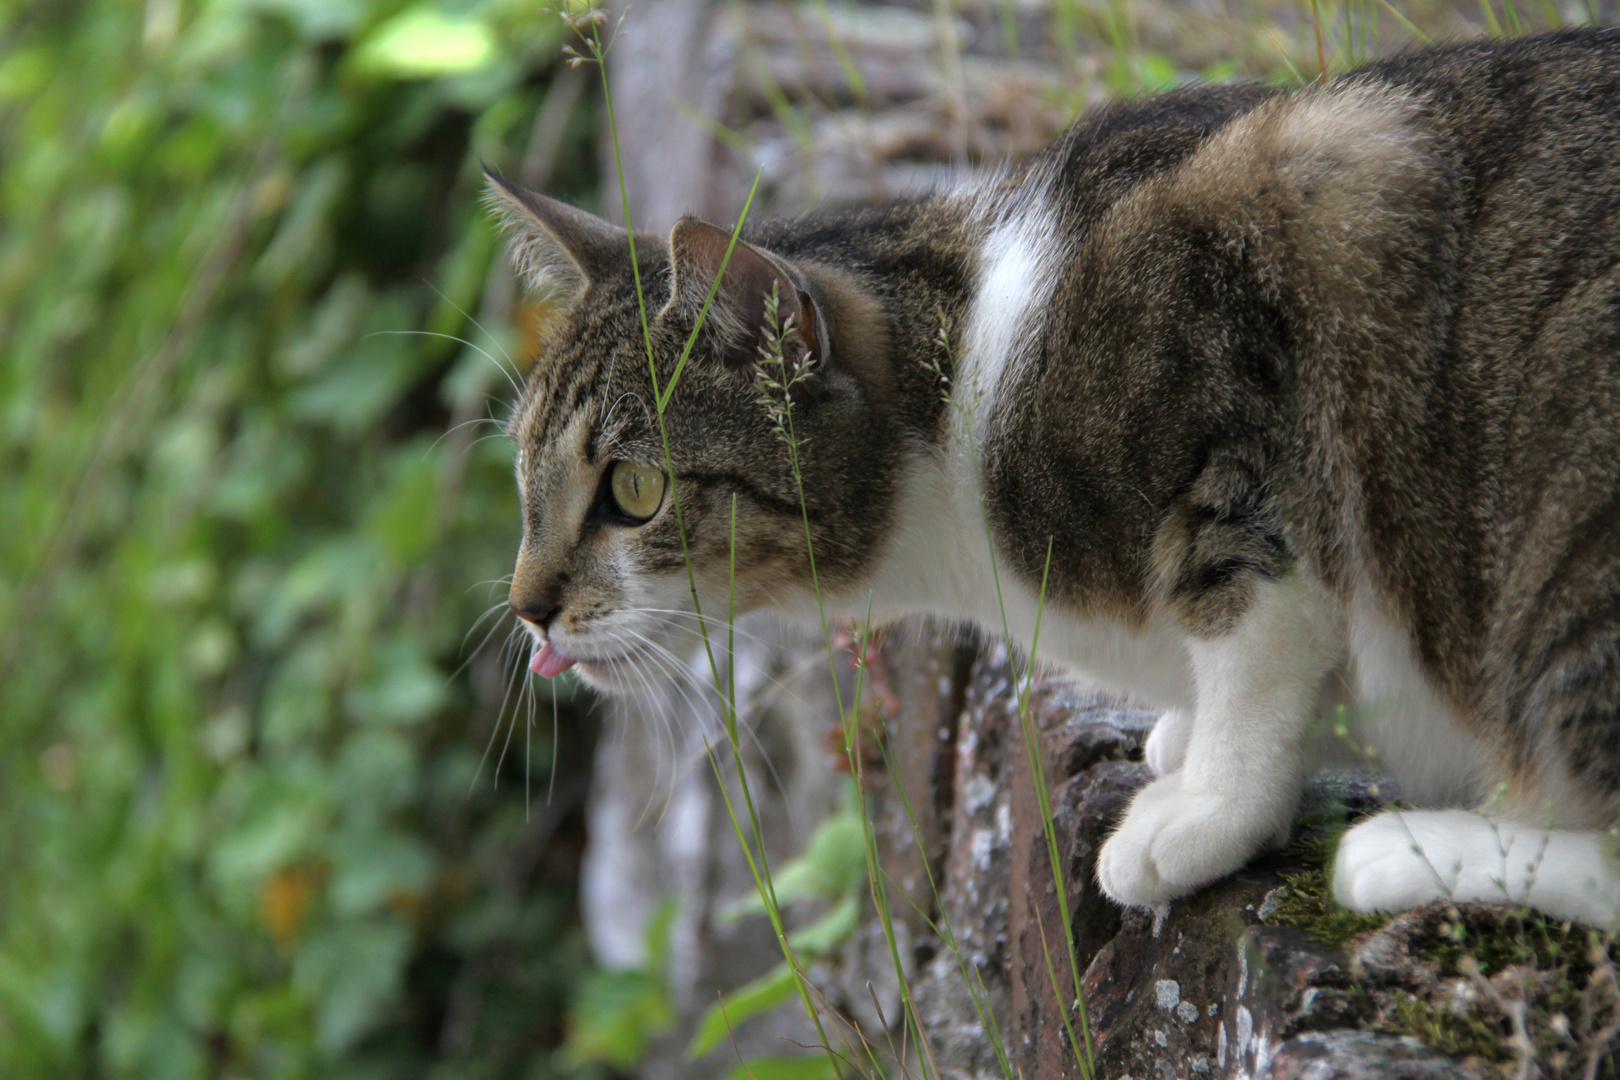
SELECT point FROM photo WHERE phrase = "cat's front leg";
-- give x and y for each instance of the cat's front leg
(1244, 765)
(1166, 745)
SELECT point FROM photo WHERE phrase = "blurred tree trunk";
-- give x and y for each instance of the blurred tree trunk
(869, 107)
(659, 830)
(671, 74)
(857, 111)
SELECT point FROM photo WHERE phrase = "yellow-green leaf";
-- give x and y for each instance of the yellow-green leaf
(762, 995)
(425, 43)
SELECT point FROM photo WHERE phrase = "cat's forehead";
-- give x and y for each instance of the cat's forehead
(561, 421)
(575, 369)
(554, 452)
(591, 392)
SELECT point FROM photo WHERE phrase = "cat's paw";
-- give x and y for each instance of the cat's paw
(1175, 839)
(1400, 859)
(1166, 745)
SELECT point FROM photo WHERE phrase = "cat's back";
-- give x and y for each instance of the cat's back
(1503, 95)
(1526, 111)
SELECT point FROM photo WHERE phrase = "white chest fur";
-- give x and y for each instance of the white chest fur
(940, 561)
(940, 557)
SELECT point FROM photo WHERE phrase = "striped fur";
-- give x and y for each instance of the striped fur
(1294, 401)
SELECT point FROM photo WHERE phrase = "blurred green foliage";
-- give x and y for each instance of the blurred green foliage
(616, 1013)
(243, 826)
(833, 871)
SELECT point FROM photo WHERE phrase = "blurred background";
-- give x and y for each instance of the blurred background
(273, 801)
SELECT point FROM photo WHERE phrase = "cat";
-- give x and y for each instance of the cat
(1303, 403)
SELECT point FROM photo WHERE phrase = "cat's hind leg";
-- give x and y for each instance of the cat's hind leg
(1402, 858)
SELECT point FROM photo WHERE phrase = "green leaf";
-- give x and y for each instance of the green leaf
(370, 869)
(1157, 73)
(424, 43)
(837, 852)
(315, 19)
(333, 325)
(407, 688)
(658, 928)
(815, 1067)
(280, 830)
(356, 390)
(323, 576)
(831, 930)
(614, 1015)
(760, 996)
(353, 971)
(833, 863)
(24, 72)
(402, 518)
(302, 243)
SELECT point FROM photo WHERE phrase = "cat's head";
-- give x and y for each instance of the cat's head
(604, 574)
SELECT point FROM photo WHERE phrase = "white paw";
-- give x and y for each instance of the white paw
(1402, 858)
(1166, 745)
(1398, 860)
(1175, 839)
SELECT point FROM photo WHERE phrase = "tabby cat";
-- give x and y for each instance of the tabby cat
(1308, 399)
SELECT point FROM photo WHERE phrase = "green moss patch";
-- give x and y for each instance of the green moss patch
(1513, 984)
(1307, 904)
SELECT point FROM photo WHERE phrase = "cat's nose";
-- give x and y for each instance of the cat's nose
(537, 616)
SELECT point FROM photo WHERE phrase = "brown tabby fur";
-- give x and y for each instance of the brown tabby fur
(1366, 329)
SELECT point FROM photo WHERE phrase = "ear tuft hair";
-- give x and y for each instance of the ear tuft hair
(555, 248)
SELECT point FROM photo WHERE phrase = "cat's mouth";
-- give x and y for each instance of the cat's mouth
(548, 661)
(617, 673)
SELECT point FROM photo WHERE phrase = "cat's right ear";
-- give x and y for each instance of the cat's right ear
(556, 248)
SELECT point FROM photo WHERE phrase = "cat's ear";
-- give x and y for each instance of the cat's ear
(556, 248)
(739, 313)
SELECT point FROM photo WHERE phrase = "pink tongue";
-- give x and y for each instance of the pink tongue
(548, 663)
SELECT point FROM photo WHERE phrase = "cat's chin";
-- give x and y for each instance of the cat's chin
(634, 674)
(621, 677)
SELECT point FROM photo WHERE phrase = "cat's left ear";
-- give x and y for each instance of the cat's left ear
(556, 248)
(738, 313)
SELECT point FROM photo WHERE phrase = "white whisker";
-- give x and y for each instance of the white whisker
(496, 625)
(493, 340)
(528, 745)
(506, 665)
(458, 427)
(451, 337)
(551, 784)
(677, 679)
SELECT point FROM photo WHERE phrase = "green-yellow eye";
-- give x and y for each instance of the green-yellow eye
(638, 489)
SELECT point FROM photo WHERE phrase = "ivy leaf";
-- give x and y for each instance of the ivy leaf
(425, 43)
(614, 1015)
(760, 996)
(833, 863)
(831, 930)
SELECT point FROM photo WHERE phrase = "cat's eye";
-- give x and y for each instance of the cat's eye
(638, 490)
